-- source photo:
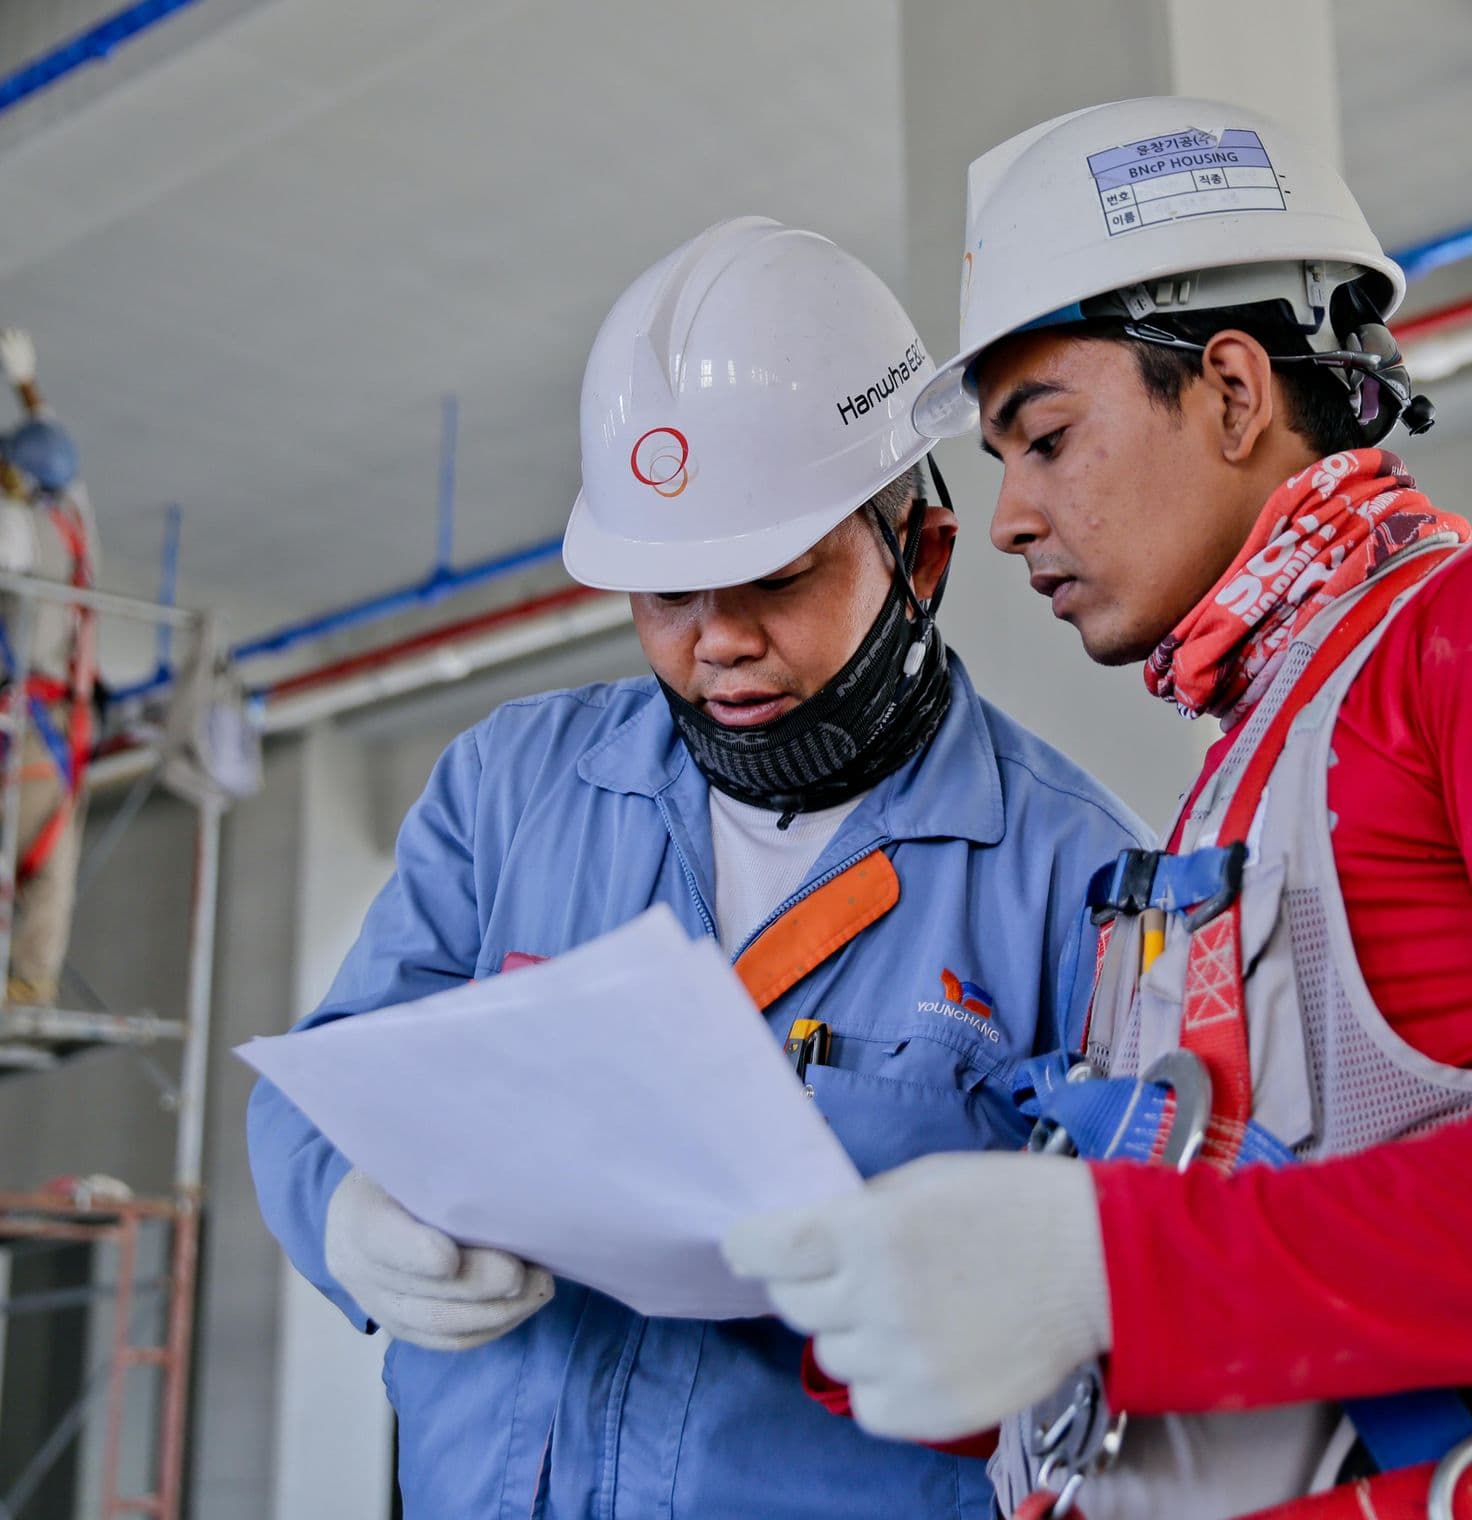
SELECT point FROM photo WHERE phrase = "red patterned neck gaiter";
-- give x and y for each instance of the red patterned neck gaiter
(1322, 533)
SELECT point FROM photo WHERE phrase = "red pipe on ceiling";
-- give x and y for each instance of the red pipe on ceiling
(445, 633)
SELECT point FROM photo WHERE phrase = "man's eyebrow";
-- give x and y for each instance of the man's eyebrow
(1017, 398)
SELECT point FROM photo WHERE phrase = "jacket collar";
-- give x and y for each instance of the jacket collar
(950, 790)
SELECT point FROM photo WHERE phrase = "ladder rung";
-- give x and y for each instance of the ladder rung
(146, 1356)
(139, 1504)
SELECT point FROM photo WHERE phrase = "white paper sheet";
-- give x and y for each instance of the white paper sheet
(608, 1114)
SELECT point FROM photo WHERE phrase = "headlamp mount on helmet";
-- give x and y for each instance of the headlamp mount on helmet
(1326, 303)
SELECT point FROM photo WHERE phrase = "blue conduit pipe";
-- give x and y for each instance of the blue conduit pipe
(94, 45)
(1421, 258)
(168, 586)
(168, 581)
(435, 587)
(443, 580)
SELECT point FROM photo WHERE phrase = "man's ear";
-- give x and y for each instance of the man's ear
(938, 532)
(1238, 377)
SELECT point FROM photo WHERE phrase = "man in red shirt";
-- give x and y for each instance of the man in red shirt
(1173, 340)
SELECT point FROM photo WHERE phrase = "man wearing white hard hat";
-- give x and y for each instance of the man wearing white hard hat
(47, 531)
(895, 868)
(1173, 340)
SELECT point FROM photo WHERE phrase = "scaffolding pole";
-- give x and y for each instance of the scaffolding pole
(32, 1036)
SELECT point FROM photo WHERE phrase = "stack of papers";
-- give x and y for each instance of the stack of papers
(608, 1114)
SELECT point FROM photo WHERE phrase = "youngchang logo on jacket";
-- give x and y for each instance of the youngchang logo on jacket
(905, 368)
(966, 1002)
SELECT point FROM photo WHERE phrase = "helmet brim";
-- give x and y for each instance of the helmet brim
(613, 563)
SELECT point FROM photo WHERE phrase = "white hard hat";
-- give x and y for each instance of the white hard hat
(1171, 204)
(743, 397)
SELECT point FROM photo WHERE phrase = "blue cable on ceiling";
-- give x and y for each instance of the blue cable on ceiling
(94, 45)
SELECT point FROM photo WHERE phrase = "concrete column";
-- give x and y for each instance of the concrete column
(1276, 58)
(240, 1313)
(334, 1429)
(974, 75)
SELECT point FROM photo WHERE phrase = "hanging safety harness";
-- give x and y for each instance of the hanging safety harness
(1196, 1102)
(71, 751)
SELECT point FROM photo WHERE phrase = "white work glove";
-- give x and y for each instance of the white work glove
(418, 1283)
(17, 356)
(948, 1294)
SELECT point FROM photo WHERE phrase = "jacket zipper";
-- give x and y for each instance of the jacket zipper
(798, 896)
(689, 875)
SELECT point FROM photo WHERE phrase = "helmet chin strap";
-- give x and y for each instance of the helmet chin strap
(869, 718)
(904, 568)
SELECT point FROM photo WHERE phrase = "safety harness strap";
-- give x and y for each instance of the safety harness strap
(1214, 1016)
(1402, 1495)
(71, 753)
(1131, 1119)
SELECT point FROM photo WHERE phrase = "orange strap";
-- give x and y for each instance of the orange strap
(813, 929)
(44, 842)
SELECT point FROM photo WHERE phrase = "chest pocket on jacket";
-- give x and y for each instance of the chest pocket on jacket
(892, 1100)
(890, 1095)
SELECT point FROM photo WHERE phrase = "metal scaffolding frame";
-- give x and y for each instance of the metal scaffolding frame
(38, 1038)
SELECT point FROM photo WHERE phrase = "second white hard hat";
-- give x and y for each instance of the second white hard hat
(743, 396)
(1176, 204)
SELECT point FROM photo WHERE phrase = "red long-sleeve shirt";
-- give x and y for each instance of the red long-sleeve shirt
(1352, 1275)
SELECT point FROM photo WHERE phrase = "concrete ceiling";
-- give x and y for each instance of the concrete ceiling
(254, 266)
(254, 269)
(1405, 110)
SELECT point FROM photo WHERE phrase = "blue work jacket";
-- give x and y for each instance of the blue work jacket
(564, 815)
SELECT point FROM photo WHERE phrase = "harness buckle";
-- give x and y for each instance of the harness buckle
(1080, 1439)
(1233, 861)
(1123, 886)
(1185, 1074)
(1200, 885)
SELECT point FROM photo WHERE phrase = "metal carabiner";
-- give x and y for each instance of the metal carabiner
(1063, 1504)
(1185, 1074)
(1449, 1472)
(1047, 1138)
(1078, 1440)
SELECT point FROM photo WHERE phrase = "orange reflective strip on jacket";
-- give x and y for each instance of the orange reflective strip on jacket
(818, 926)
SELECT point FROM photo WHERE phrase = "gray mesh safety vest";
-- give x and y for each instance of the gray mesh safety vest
(1329, 1076)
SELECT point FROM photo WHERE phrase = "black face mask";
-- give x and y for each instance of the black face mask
(882, 707)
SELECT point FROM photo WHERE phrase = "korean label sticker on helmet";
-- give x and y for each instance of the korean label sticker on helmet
(1191, 173)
